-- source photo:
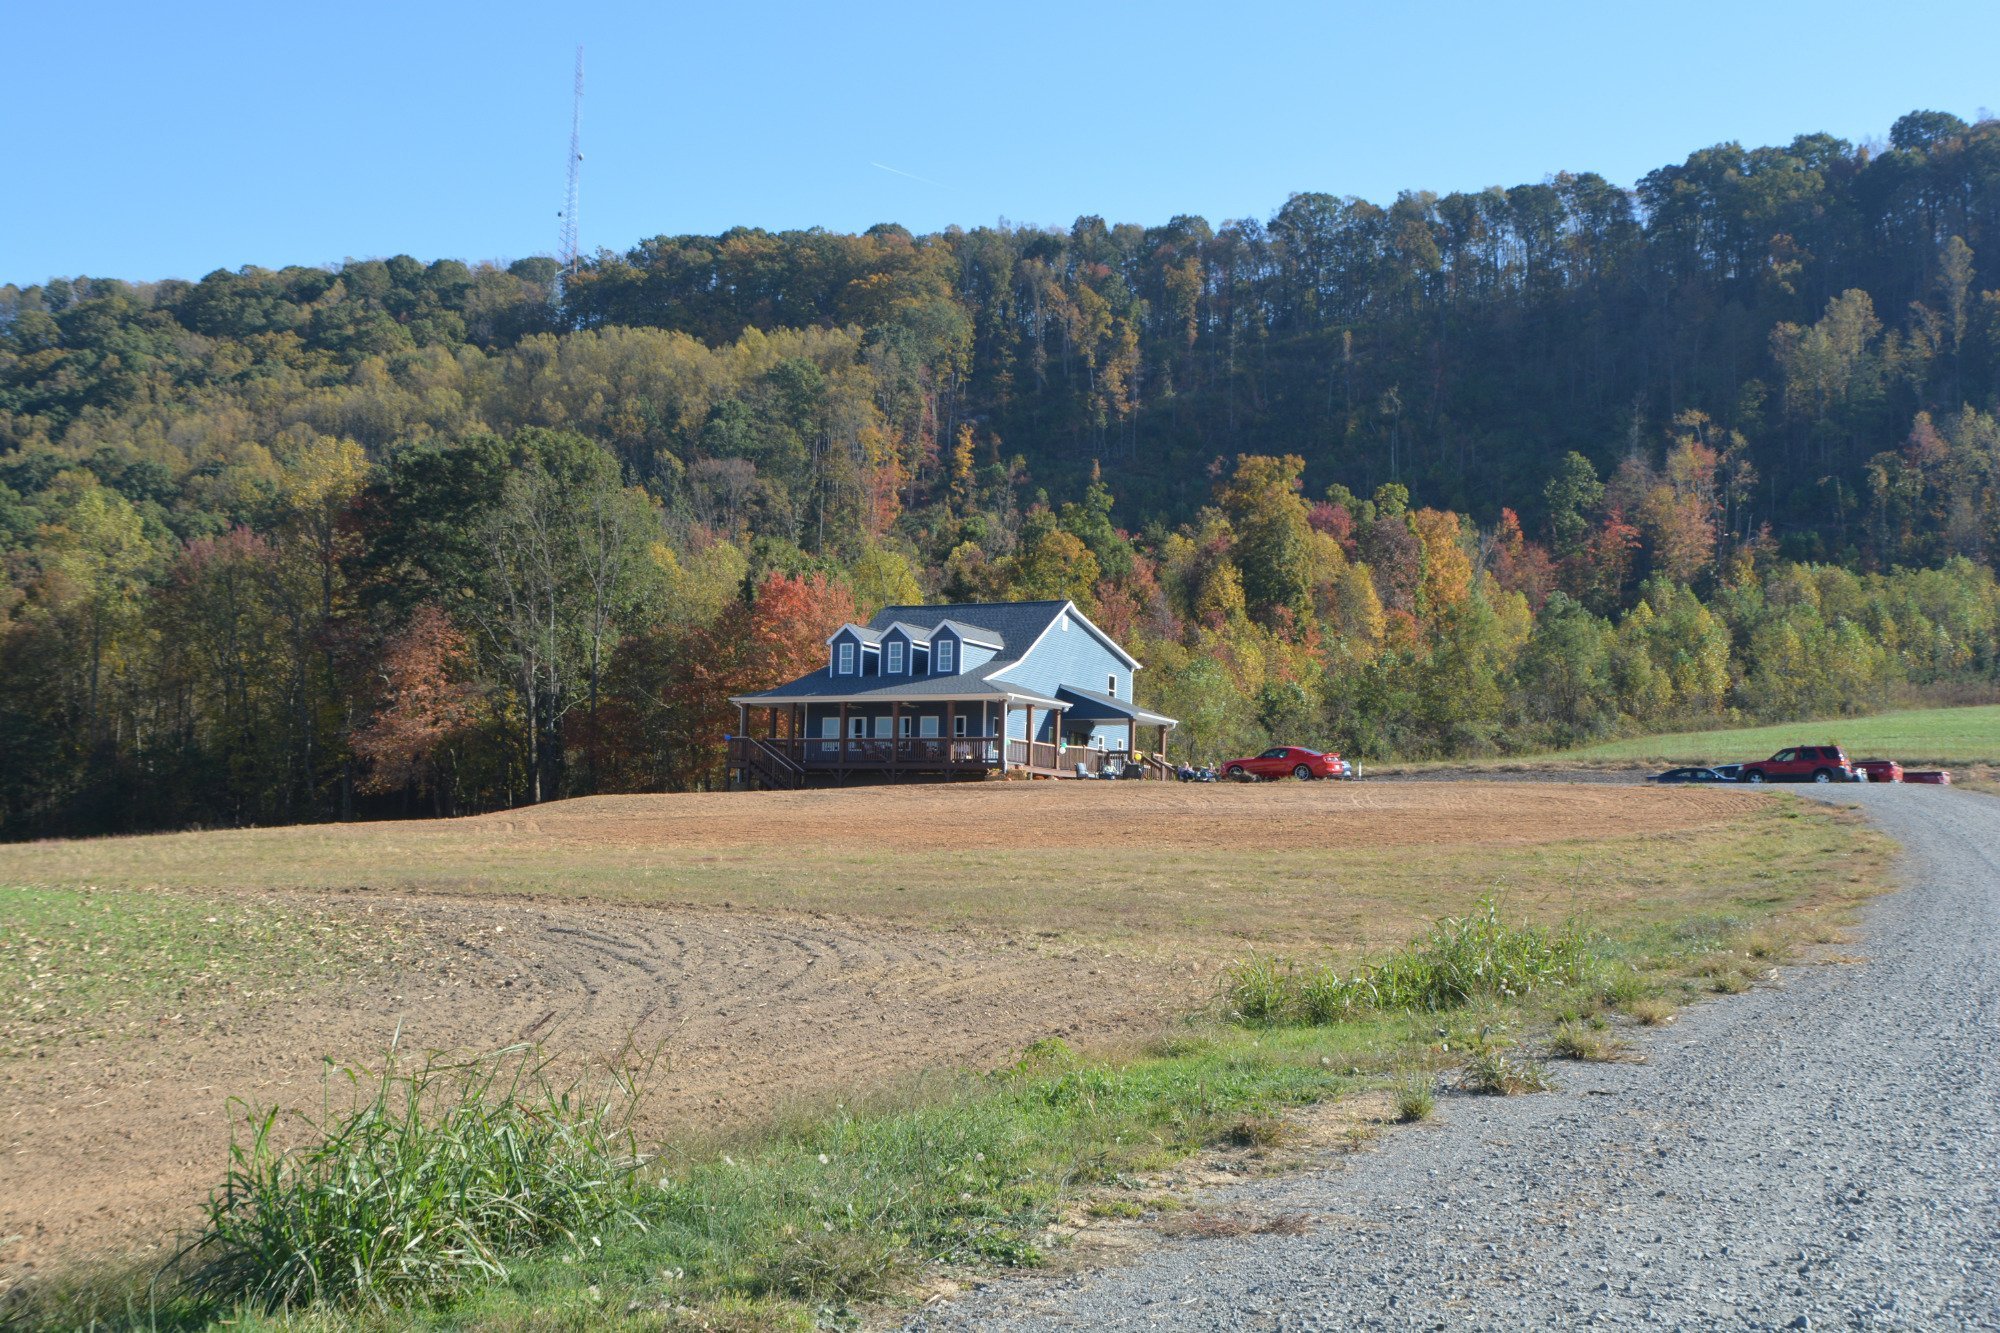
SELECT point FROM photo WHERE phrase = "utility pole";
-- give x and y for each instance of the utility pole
(566, 244)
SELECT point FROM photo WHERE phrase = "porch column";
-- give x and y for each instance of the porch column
(1003, 737)
(1028, 733)
(895, 735)
(740, 759)
(951, 731)
(773, 711)
(842, 760)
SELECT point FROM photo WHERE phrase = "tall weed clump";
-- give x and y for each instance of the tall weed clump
(1457, 961)
(437, 1174)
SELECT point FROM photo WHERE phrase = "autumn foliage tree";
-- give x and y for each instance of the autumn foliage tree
(428, 704)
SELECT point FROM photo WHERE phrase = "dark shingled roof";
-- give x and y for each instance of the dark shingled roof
(1018, 624)
(823, 686)
(1090, 706)
(1010, 627)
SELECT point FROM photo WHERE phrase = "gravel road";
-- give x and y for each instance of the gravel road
(1823, 1152)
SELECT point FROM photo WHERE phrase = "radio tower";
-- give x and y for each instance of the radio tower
(566, 244)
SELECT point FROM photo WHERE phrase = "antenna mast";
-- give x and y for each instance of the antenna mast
(566, 244)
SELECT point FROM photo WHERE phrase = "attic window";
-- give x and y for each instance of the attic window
(846, 667)
(895, 667)
(946, 652)
(1112, 688)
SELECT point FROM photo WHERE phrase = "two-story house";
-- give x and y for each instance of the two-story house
(965, 690)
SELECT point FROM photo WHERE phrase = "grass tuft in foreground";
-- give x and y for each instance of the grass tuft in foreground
(440, 1172)
(1492, 1072)
(1457, 961)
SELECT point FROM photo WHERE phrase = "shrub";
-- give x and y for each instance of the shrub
(1458, 960)
(442, 1173)
(1579, 1041)
(1415, 1099)
(1494, 1073)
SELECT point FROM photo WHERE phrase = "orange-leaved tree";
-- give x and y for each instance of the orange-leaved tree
(428, 704)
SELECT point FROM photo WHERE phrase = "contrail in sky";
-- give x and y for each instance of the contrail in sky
(898, 171)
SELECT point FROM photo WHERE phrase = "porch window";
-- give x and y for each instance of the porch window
(857, 727)
(903, 730)
(846, 667)
(946, 652)
(928, 728)
(958, 725)
(895, 667)
(882, 727)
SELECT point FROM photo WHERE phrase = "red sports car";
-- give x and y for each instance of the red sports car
(1287, 761)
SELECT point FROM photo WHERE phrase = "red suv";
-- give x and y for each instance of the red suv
(1803, 763)
(1283, 760)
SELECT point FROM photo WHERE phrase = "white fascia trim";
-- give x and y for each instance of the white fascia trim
(1069, 609)
(875, 699)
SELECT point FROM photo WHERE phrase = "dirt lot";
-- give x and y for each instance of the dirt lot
(781, 946)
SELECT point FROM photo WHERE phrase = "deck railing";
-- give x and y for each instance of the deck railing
(785, 760)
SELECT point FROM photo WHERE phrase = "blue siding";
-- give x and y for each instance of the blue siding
(965, 656)
(1072, 656)
(860, 653)
(909, 651)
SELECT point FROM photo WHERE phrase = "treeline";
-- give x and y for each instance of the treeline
(1461, 474)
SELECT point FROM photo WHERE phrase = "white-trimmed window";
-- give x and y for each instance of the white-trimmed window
(1112, 688)
(829, 727)
(958, 724)
(882, 725)
(928, 728)
(946, 652)
(895, 650)
(904, 729)
(845, 660)
(857, 726)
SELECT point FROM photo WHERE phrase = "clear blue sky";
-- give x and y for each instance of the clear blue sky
(151, 140)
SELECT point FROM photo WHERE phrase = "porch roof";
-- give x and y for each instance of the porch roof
(1089, 705)
(823, 687)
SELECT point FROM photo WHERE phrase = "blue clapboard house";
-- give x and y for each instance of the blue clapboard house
(968, 690)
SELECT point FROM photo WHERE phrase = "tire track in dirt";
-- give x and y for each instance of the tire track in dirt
(110, 1144)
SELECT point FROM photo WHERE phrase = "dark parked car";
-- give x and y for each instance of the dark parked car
(1804, 763)
(1696, 774)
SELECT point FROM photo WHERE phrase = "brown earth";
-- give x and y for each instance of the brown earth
(688, 932)
(109, 1142)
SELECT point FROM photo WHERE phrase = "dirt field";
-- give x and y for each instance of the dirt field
(781, 946)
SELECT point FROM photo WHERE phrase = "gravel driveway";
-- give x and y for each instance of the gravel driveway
(1821, 1153)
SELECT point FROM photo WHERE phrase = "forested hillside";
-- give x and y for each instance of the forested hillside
(1460, 474)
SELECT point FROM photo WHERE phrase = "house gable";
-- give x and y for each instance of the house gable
(905, 651)
(851, 653)
(1072, 651)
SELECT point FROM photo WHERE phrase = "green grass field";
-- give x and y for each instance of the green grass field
(1920, 736)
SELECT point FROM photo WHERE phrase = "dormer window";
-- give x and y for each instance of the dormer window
(845, 658)
(895, 667)
(946, 651)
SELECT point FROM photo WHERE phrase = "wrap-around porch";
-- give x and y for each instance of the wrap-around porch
(788, 744)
